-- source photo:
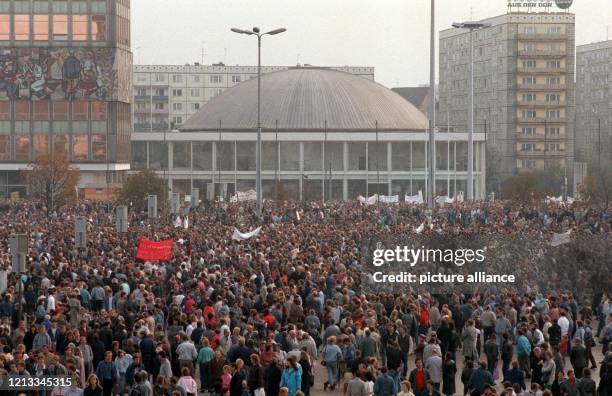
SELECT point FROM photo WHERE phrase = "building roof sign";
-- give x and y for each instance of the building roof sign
(538, 5)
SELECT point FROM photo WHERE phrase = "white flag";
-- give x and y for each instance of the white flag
(239, 236)
(186, 222)
(178, 222)
(420, 228)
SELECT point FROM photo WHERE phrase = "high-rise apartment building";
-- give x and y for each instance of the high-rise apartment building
(523, 87)
(594, 104)
(65, 87)
(165, 96)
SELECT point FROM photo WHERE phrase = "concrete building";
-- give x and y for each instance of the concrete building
(65, 87)
(420, 97)
(325, 134)
(524, 90)
(594, 104)
(165, 96)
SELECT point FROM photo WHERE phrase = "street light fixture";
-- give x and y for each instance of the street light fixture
(255, 31)
(471, 25)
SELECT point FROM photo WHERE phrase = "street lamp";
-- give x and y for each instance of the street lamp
(471, 25)
(255, 31)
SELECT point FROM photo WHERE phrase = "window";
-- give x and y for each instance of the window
(22, 27)
(553, 131)
(177, 92)
(290, 156)
(216, 78)
(245, 156)
(98, 27)
(177, 120)
(160, 92)
(98, 111)
(195, 78)
(225, 156)
(529, 30)
(177, 106)
(195, 106)
(22, 110)
(79, 27)
(529, 63)
(215, 93)
(553, 114)
(5, 110)
(141, 92)
(529, 97)
(80, 147)
(41, 27)
(357, 156)
(195, 93)
(60, 141)
(140, 77)
(553, 64)
(98, 147)
(529, 164)
(528, 147)
(159, 77)
(160, 106)
(236, 79)
(22, 147)
(528, 131)
(553, 147)
(177, 78)
(553, 98)
(529, 114)
(41, 110)
(529, 80)
(60, 27)
(553, 30)
(5, 27)
(202, 155)
(79, 111)
(553, 80)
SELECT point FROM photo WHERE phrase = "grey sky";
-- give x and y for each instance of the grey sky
(391, 35)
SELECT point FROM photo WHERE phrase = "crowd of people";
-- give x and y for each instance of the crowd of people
(262, 316)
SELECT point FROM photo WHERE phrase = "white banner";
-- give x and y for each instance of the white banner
(242, 196)
(389, 198)
(239, 236)
(560, 239)
(186, 222)
(368, 201)
(178, 222)
(559, 199)
(414, 198)
(420, 228)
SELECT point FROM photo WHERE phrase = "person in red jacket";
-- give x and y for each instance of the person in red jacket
(424, 320)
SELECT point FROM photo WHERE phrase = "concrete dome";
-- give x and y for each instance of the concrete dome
(302, 99)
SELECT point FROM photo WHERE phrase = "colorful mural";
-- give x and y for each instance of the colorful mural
(59, 74)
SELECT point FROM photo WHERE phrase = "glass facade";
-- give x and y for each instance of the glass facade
(298, 171)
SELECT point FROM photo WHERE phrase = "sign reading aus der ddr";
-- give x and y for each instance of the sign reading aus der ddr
(538, 4)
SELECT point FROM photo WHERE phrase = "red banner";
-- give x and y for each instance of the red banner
(154, 251)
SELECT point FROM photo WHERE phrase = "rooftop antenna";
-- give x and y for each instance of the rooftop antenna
(203, 54)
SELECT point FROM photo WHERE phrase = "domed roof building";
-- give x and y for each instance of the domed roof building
(326, 134)
(305, 99)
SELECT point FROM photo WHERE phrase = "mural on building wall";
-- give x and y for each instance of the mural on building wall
(59, 74)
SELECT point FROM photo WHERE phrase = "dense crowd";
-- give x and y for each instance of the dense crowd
(260, 316)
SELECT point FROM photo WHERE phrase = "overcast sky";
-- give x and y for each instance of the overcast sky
(391, 35)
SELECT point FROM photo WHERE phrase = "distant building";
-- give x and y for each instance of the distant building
(594, 104)
(524, 90)
(319, 140)
(418, 96)
(165, 96)
(65, 87)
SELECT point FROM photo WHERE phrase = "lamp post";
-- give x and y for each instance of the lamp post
(471, 25)
(255, 31)
(432, 109)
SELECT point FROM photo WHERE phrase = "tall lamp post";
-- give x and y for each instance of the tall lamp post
(471, 25)
(256, 32)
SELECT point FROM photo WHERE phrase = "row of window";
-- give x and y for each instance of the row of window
(550, 114)
(195, 78)
(547, 147)
(285, 156)
(550, 97)
(549, 131)
(53, 110)
(79, 147)
(27, 27)
(550, 64)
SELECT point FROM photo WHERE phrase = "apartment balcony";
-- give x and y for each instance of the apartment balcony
(540, 120)
(160, 98)
(540, 154)
(140, 127)
(541, 87)
(539, 138)
(542, 53)
(540, 103)
(541, 70)
(149, 111)
(542, 36)
(142, 98)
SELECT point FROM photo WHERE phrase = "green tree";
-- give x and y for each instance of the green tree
(137, 188)
(53, 180)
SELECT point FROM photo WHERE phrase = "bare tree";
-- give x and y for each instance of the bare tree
(53, 180)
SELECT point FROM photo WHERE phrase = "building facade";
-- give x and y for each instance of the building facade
(594, 104)
(65, 87)
(165, 96)
(326, 134)
(523, 87)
